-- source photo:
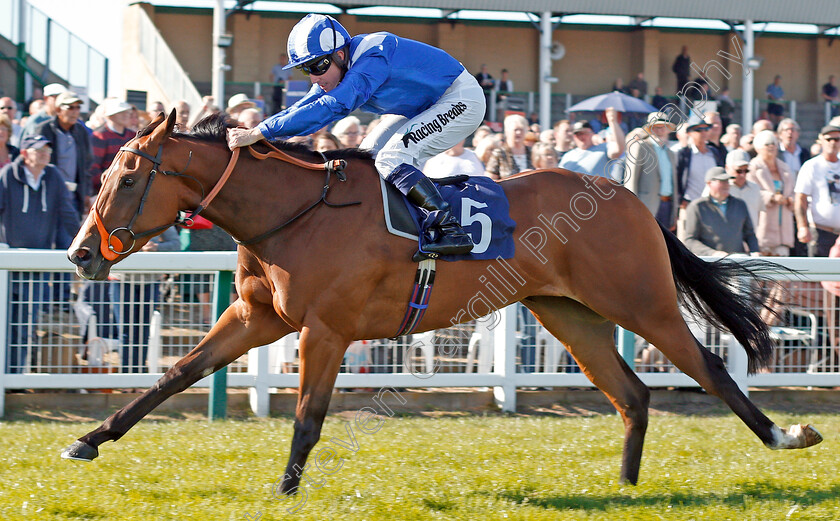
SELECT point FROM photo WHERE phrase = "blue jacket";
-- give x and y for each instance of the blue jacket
(386, 74)
(43, 218)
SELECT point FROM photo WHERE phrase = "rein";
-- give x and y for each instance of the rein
(112, 247)
(336, 166)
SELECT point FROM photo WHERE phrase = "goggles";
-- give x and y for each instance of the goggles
(316, 67)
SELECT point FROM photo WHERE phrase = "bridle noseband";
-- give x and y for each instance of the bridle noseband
(112, 247)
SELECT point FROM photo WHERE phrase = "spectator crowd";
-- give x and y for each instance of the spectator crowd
(721, 188)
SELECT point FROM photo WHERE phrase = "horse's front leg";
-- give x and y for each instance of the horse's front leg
(240, 328)
(321, 353)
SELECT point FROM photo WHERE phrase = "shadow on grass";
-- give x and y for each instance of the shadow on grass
(756, 491)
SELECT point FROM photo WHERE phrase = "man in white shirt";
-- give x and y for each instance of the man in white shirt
(455, 161)
(737, 165)
(818, 189)
(589, 158)
(789, 150)
(693, 161)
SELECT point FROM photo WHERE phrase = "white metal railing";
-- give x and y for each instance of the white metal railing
(163, 64)
(513, 351)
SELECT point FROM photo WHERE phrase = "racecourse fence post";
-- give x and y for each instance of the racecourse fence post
(217, 408)
(258, 394)
(4, 312)
(737, 361)
(504, 338)
(627, 347)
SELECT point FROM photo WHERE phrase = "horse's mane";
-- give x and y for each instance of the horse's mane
(213, 129)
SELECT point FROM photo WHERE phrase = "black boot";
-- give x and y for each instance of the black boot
(452, 239)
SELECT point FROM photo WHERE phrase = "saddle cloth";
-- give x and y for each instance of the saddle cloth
(479, 204)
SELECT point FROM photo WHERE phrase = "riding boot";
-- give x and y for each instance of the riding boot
(452, 239)
(448, 238)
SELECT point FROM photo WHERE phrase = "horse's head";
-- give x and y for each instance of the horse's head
(131, 207)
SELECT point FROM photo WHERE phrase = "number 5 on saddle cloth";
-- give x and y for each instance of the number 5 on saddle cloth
(480, 205)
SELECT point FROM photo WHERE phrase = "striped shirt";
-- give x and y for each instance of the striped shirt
(106, 144)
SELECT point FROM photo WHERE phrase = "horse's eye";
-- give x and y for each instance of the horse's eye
(128, 182)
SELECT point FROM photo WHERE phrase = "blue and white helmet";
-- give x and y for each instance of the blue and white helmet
(314, 36)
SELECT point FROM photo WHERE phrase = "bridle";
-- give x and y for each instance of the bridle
(112, 247)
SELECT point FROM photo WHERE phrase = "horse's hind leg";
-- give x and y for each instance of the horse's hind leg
(589, 338)
(670, 334)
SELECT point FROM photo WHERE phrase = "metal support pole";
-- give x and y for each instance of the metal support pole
(20, 88)
(218, 73)
(627, 347)
(545, 70)
(491, 106)
(217, 408)
(748, 94)
(4, 312)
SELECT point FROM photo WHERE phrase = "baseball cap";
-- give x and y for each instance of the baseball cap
(829, 128)
(67, 98)
(113, 106)
(580, 125)
(737, 158)
(53, 89)
(240, 99)
(717, 173)
(36, 142)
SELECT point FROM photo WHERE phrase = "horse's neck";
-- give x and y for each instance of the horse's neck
(260, 194)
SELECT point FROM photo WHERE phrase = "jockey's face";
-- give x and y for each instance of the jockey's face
(330, 79)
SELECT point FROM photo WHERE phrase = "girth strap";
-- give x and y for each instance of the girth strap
(424, 280)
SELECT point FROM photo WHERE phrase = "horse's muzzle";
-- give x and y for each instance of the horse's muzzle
(89, 265)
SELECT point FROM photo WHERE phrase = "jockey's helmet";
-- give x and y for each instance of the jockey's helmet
(314, 36)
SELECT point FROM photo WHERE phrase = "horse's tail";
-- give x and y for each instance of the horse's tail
(710, 290)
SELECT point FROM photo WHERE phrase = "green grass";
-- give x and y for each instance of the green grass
(530, 467)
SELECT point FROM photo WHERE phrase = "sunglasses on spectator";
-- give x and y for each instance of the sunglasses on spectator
(741, 170)
(316, 67)
(832, 139)
(6, 108)
(72, 107)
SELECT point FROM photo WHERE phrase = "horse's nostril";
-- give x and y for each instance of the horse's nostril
(81, 256)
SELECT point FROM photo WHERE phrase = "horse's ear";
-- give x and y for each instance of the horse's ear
(170, 122)
(163, 131)
(152, 125)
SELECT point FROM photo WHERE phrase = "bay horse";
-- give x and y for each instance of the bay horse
(589, 256)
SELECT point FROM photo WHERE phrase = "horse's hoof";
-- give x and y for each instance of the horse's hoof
(810, 435)
(797, 437)
(80, 451)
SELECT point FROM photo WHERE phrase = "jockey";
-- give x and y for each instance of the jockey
(429, 100)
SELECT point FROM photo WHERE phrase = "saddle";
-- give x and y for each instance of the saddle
(480, 205)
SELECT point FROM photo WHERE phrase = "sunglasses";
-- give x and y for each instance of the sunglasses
(316, 67)
(742, 170)
(6, 108)
(832, 139)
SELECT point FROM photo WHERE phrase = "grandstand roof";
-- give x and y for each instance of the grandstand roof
(823, 13)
